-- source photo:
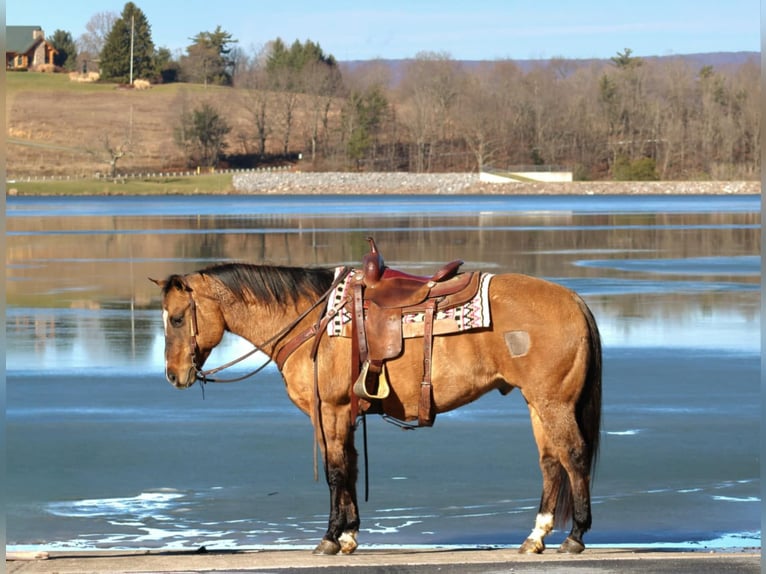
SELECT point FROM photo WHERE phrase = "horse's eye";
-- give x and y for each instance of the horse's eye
(177, 320)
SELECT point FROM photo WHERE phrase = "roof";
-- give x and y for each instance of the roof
(20, 39)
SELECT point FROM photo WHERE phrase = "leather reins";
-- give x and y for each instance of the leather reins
(314, 330)
(204, 375)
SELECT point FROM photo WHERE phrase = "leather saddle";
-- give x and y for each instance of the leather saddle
(381, 296)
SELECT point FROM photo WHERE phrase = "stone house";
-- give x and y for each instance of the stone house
(26, 48)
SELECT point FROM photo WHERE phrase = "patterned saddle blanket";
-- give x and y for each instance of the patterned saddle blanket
(474, 314)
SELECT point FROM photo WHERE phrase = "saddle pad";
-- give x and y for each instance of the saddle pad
(473, 315)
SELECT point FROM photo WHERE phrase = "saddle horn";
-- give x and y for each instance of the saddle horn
(372, 264)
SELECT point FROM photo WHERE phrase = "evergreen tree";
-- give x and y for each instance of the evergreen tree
(363, 117)
(115, 56)
(201, 134)
(290, 63)
(624, 60)
(67, 51)
(208, 59)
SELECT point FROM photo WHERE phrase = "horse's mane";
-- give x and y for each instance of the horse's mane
(271, 283)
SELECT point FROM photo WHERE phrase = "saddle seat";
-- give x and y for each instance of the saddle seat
(390, 288)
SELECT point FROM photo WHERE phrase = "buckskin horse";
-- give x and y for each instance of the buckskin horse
(376, 340)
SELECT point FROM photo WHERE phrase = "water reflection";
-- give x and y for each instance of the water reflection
(673, 283)
(62, 340)
(78, 296)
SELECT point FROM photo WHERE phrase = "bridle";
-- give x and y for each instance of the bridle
(204, 375)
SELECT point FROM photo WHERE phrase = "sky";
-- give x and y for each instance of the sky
(462, 30)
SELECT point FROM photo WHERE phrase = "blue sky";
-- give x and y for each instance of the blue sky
(479, 30)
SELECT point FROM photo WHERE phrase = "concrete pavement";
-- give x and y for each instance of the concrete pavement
(379, 561)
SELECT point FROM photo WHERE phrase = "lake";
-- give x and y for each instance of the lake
(103, 453)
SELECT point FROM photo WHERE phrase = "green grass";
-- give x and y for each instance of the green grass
(199, 184)
(16, 82)
(34, 81)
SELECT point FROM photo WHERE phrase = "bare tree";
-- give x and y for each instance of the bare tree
(747, 82)
(323, 84)
(91, 42)
(633, 133)
(673, 112)
(284, 81)
(585, 131)
(504, 79)
(111, 150)
(256, 101)
(429, 92)
(539, 111)
(478, 109)
(116, 152)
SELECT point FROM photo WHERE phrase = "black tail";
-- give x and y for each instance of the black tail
(588, 414)
(589, 405)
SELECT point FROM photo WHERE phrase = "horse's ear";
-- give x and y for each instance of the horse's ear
(172, 282)
(176, 282)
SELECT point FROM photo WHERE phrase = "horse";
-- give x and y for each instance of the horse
(542, 339)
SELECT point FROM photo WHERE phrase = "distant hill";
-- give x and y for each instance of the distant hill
(715, 59)
(719, 60)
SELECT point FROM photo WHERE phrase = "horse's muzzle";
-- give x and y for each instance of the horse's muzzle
(182, 383)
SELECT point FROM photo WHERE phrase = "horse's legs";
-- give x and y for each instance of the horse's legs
(576, 465)
(562, 449)
(550, 468)
(341, 472)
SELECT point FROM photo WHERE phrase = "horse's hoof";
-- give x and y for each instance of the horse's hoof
(348, 542)
(571, 546)
(327, 548)
(532, 546)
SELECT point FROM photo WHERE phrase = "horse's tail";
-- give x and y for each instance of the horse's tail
(587, 413)
(589, 404)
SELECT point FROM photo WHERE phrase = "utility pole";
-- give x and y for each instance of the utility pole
(132, 31)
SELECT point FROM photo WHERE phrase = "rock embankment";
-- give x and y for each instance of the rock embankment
(462, 183)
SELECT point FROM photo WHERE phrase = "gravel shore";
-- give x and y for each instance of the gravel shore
(461, 183)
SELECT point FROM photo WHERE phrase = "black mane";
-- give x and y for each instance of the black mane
(271, 283)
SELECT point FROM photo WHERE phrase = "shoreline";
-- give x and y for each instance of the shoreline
(469, 184)
(342, 183)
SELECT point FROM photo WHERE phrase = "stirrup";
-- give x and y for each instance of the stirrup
(360, 386)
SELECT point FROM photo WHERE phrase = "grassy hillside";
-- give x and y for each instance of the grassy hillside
(60, 127)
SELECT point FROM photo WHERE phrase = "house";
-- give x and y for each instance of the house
(26, 48)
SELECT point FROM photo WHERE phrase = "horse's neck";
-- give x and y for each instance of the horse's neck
(258, 322)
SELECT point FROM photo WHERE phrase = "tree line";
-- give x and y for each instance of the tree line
(625, 118)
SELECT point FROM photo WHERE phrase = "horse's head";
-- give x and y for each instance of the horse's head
(193, 326)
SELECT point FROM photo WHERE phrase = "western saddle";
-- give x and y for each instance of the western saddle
(381, 296)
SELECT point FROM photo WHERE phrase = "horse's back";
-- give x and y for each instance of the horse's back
(538, 341)
(517, 299)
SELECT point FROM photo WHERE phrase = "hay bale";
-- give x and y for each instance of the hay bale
(80, 77)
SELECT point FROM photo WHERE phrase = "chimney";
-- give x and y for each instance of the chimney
(38, 34)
